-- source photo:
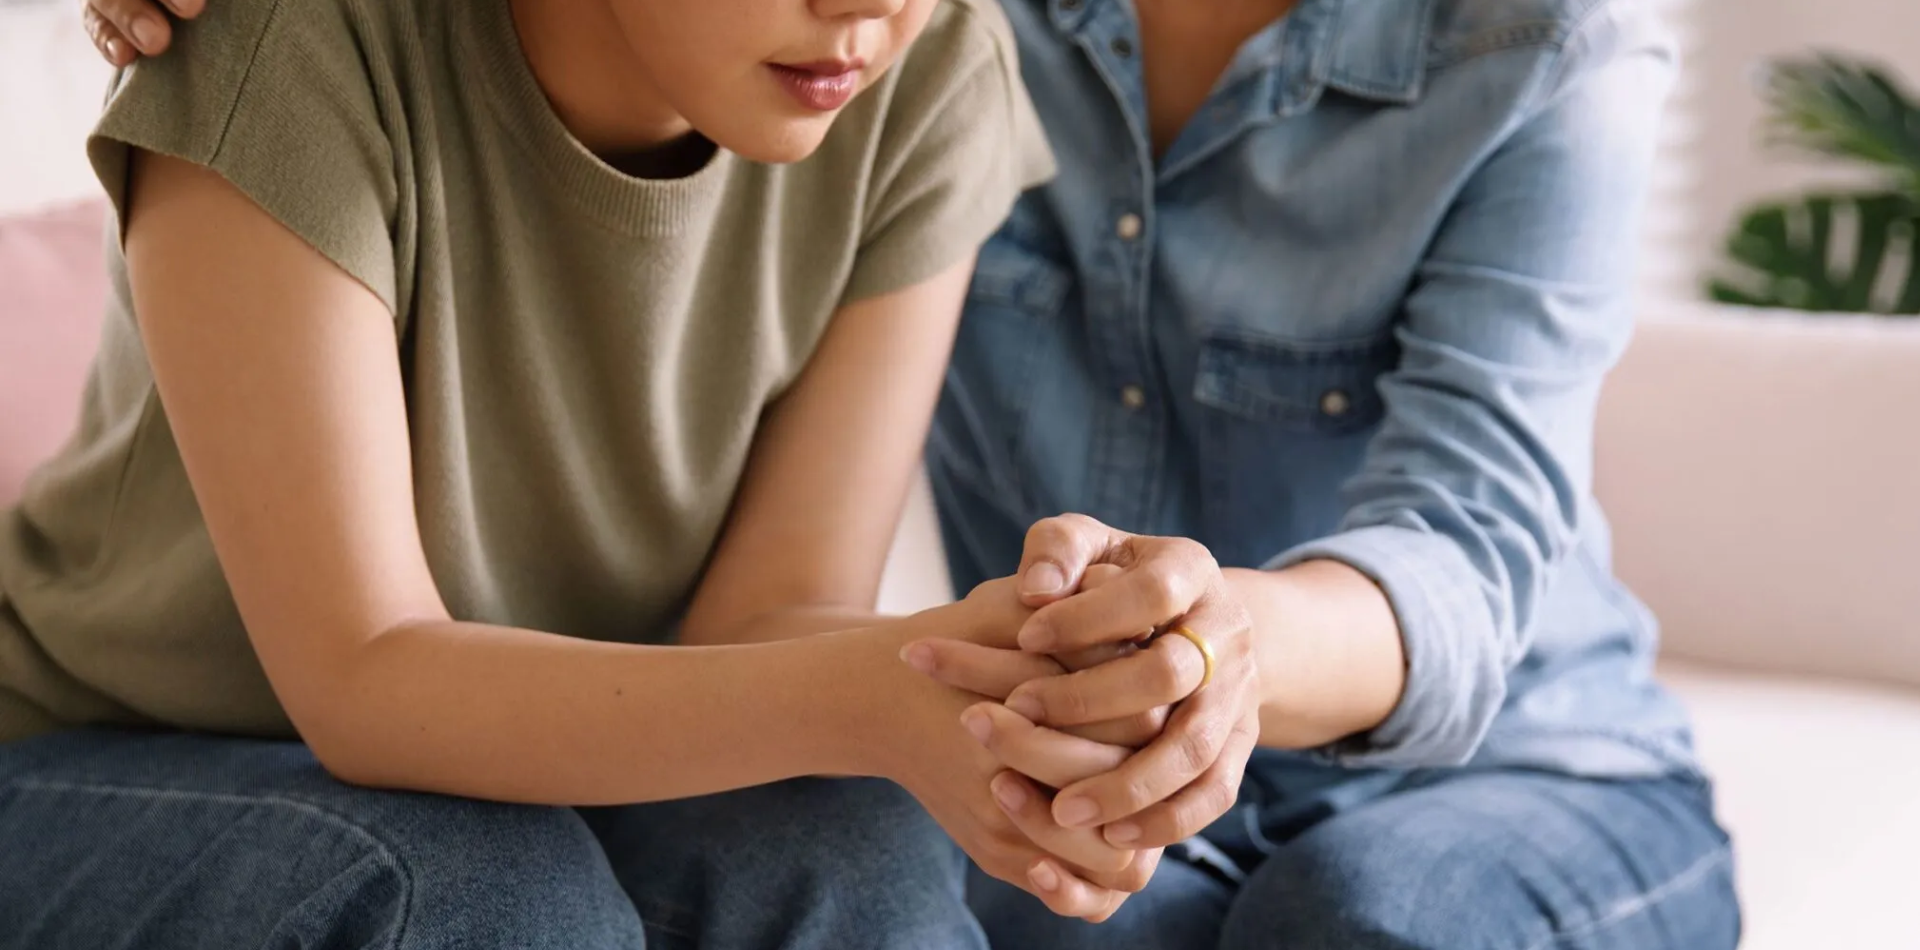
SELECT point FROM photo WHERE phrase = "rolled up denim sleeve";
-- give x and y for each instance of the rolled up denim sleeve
(1474, 487)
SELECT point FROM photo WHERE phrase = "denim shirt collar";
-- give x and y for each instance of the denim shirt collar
(1379, 48)
(1373, 49)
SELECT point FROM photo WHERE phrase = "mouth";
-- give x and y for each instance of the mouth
(823, 85)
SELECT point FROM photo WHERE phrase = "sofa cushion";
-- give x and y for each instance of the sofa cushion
(52, 294)
(1819, 785)
(1759, 469)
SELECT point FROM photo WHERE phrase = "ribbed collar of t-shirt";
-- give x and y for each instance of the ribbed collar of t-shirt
(639, 206)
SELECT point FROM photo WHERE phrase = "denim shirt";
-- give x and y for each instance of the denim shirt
(1360, 309)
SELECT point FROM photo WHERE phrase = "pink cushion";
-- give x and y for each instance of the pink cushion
(53, 289)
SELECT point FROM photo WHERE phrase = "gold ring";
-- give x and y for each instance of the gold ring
(1206, 653)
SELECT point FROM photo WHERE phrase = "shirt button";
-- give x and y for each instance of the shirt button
(1133, 397)
(1069, 5)
(1335, 402)
(1128, 227)
(1122, 47)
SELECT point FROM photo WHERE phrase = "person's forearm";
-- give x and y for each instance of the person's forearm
(513, 715)
(1331, 660)
(786, 623)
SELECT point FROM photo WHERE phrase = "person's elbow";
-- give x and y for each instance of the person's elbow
(340, 738)
(342, 714)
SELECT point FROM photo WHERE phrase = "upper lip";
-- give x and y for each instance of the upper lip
(827, 67)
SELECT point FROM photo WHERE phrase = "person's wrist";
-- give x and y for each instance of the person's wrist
(884, 709)
(866, 687)
(1329, 654)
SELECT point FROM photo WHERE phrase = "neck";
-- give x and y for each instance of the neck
(580, 56)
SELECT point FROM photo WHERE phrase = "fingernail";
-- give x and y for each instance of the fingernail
(117, 50)
(146, 33)
(1009, 794)
(1075, 812)
(1036, 638)
(1027, 705)
(1043, 578)
(919, 656)
(978, 725)
(1125, 832)
(1044, 876)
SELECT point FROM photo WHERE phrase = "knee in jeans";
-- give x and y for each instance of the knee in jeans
(856, 831)
(192, 841)
(1352, 895)
(849, 863)
(454, 872)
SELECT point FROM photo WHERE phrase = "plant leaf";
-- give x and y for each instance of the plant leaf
(1850, 108)
(1783, 255)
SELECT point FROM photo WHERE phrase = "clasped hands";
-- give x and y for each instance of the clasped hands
(1101, 745)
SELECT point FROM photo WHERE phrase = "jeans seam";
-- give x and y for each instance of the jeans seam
(381, 849)
(1678, 767)
(655, 923)
(657, 912)
(1641, 902)
(1256, 834)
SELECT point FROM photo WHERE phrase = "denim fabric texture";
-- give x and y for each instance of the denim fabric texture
(186, 842)
(1442, 859)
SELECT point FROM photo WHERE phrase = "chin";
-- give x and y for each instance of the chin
(777, 141)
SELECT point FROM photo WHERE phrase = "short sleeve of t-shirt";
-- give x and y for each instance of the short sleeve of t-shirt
(277, 97)
(960, 145)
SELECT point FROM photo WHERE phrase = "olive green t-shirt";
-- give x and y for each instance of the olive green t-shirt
(586, 354)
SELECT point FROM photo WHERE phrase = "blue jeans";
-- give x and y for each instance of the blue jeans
(170, 842)
(1316, 859)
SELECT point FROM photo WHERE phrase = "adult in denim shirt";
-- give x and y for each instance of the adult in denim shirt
(1343, 320)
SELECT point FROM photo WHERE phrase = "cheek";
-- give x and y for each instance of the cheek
(687, 53)
(701, 61)
(905, 26)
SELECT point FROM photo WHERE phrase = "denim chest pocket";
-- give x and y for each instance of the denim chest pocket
(1329, 388)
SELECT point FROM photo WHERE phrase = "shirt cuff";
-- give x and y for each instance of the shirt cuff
(1456, 679)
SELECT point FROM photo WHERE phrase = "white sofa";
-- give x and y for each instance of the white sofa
(1762, 472)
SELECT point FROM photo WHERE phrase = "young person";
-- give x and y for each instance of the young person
(459, 353)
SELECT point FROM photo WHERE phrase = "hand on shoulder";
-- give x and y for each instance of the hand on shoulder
(125, 30)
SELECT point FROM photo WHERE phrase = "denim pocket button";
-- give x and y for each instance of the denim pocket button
(1335, 402)
(1326, 388)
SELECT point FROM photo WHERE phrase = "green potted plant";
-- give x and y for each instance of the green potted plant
(1836, 252)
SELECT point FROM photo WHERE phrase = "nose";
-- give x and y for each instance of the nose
(857, 9)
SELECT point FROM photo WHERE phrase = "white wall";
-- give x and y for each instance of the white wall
(1718, 165)
(51, 87)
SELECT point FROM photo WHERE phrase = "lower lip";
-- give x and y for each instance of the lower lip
(817, 92)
